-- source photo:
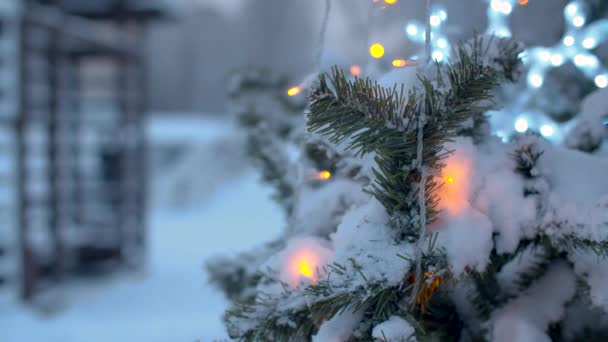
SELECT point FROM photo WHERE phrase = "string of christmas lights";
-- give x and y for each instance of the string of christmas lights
(440, 46)
(576, 45)
(307, 81)
(498, 17)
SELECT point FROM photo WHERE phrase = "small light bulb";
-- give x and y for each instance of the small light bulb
(557, 59)
(390, 2)
(496, 5)
(601, 81)
(442, 43)
(293, 91)
(580, 60)
(592, 61)
(304, 269)
(411, 29)
(355, 70)
(376, 50)
(578, 21)
(589, 43)
(572, 8)
(523, 2)
(438, 56)
(443, 15)
(324, 175)
(544, 55)
(398, 63)
(546, 130)
(449, 179)
(535, 80)
(568, 40)
(435, 20)
(521, 125)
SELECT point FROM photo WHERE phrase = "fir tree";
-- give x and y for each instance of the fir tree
(454, 235)
(275, 126)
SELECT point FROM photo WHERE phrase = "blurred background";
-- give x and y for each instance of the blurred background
(122, 167)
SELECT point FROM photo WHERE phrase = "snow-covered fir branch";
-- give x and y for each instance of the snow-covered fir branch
(507, 232)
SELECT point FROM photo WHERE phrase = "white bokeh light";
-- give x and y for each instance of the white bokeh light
(442, 43)
(521, 125)
(557, 59)
(589, 43)
(572, 8)
(495, 5)
(435, 20)
(601, 81)
(535, 80)
(412, 29)
(576, 46)
(438, 56)
(580, 60)
(547, 130)
(544, 55)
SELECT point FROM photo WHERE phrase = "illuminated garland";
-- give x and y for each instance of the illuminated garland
(575, 45)
(440, 46)
(498, 17)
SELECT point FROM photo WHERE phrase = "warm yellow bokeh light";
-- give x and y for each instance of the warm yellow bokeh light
(293, 91)
(449, 179)
(324, 175)
(303, 264)
(399, 63)
(303, 261)
(390, 2)
(523, 2)
(376, 50)
(355, 70)
(304, 269)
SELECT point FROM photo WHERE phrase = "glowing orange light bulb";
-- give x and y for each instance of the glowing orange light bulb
(303, 261)
(523, 2)
(293, 91)
(376, 50)
(303, 264)
(305, 269)
(355, 70)
(399, 63)
(324, 175)
(454, 195)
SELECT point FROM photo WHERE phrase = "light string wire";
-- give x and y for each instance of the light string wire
(430, 33)
(427, 43)
(318, 56)
(322, 34)
(419, 156)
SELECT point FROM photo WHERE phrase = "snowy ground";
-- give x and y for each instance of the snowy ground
(171, 301)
